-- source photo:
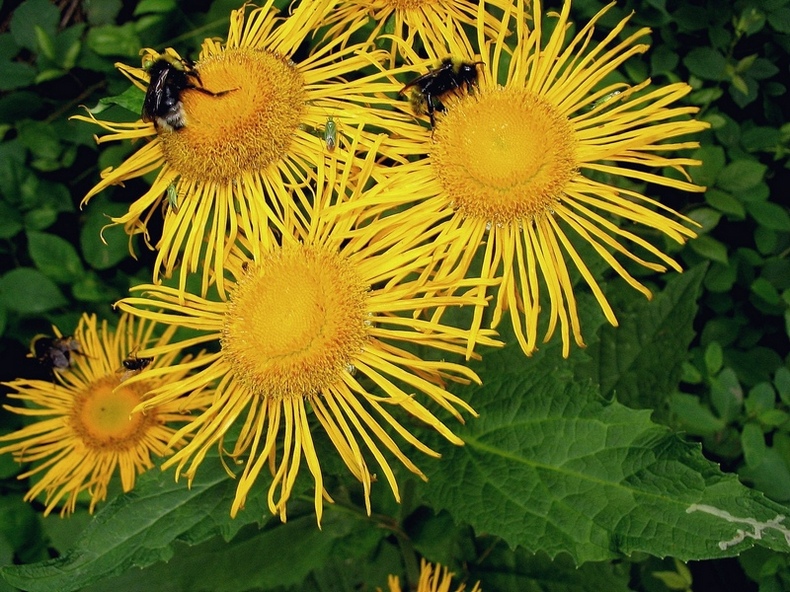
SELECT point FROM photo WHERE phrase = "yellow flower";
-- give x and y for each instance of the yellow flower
(83, 429)
(428, 22)
(432, 579)
(523, 165)
(253, 149)
(320, 326)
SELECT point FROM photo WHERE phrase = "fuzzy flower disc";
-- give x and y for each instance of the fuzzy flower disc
(505, 155)
(102, 415)
(82, 431)
(295, 322)
(262, 107)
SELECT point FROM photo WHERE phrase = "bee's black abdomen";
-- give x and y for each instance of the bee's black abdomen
(451, 75)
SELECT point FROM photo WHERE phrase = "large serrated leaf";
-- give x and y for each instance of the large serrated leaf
(640, 361)
(279, 555)
(552, 467)
(506, 570)
(141, 528)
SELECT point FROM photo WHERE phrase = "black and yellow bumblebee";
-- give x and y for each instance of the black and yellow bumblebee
(171, 76)
(54, 353)
(133, 365)
(452, 75)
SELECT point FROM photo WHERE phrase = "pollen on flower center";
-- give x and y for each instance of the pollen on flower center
(503, 155)
(294, 322)
(103, 417)
(244, 130)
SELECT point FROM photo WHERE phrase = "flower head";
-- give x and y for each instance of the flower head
(321, 327)
(249, 131)
(432, 579)
(521, 164)
(83, 428)
(408, 21)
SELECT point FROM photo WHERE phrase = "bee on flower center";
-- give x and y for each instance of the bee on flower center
(452, 75)
(169, 78)
(133, 365)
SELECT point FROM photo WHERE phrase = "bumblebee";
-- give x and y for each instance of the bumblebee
(133, 365)
(54, 352)
(169, 78)
(451, 75)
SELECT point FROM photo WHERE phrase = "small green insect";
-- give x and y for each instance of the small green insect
(330, 134)
(604, 99)
(172, 197)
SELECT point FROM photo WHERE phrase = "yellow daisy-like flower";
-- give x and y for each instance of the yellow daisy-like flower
(320, 326)
(432, 579)
(428, 22)
(84, 430)
(521, 164)
(249, 145)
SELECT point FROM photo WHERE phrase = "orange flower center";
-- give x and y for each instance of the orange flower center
(295, 322)
(243, 130)
(503, 155)
(103, 417)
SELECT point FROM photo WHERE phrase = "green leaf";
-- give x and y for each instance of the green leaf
(770, 215)
(710, 248)
(725, 203)
(782, 384)
(254, 560)
(54, 257)
(706, 63)
(155, 6)
(760, 138)
(15, 75)
(753, 443)
(89, 288)
(112, 40)
(29, 15)
(707, 218)
(713, 161)
(726, 395)
(506, 570)
(132, 99)
(770, 476)
(28, 291)
(760, 399)
(780, 20)
(45, 43)
(663, 60)
(721, 278)
(103, 246)
(18, 522)
(693, 417)
(10, 220)
(714, 357)
(741, 175)
(104, 12)
(550, 466)
(773, 418)
(141, 528)
(640, 361)
(40, 138)
(765, 290)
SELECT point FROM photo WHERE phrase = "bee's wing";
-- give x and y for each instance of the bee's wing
(417, 81)
(153, 96)
(59, 359)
